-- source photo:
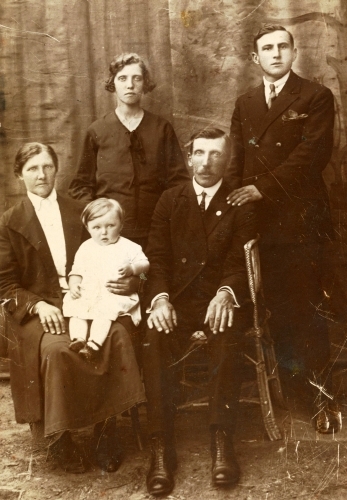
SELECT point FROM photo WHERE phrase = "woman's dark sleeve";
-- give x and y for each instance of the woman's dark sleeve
(83, 186)
(176, 168)
(19, 300)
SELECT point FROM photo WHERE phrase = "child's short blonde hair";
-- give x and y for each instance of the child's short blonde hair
(100, 207)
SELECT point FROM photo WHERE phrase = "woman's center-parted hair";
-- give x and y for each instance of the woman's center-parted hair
(100, 207)
(118, 63)
(28, 151)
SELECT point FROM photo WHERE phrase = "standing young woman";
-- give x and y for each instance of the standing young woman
(130, 154)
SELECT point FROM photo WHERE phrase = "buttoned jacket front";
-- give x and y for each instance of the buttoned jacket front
(193, 255)
(283, 151)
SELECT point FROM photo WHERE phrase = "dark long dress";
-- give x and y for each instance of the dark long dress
(49, 382)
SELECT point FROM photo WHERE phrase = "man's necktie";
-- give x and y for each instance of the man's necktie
(272, 95)
(202, 203)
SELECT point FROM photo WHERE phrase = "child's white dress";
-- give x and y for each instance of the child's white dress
(98, 264)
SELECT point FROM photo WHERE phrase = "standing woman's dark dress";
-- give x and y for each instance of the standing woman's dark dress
(131, 165)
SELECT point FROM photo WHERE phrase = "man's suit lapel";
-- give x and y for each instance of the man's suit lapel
(260, 121)
(256, 108)
(217, 209)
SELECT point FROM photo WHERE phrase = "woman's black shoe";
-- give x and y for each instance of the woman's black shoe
(160, 478)
(67, 455)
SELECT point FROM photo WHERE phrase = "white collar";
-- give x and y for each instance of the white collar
(279, 84)
(210, 191)
(37, 200)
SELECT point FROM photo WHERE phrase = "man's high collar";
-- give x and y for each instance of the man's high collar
(210, 191)
(279, 84)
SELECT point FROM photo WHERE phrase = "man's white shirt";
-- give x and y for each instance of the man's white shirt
(279, 84)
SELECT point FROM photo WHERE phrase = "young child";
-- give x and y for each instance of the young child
(105, 256)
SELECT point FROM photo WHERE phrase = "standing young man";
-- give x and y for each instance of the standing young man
(282, 139)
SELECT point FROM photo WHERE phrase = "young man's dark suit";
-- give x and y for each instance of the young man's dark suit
(191, 256)
(282, 151)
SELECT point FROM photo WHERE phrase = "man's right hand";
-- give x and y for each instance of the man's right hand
(163, 316)
(51, 318)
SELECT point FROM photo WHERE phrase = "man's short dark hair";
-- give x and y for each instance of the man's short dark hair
(208, 133)
(270, 28)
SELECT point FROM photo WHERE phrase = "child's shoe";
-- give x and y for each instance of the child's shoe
(90, 351)
(77, 344)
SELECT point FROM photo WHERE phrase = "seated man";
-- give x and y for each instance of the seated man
(197, 282)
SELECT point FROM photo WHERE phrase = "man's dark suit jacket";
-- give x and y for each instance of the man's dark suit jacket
(283, 151)
(28, 275)
(190, 259)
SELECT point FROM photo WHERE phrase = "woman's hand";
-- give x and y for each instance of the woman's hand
(123, 286)
(51, 318)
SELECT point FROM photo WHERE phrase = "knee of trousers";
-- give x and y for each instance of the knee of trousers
(153, 342)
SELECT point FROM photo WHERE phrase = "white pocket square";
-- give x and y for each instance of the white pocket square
(293, 115)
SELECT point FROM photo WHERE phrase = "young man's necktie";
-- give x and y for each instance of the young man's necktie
(272, 95)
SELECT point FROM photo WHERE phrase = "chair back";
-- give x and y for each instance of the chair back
(253, 274)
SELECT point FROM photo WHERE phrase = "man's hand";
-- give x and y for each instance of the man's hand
(51, 318)
(243, 195)
(163, 316)
(123, 286)
(220, 312)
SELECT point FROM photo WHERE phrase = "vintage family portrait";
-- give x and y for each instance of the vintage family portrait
(173, 249)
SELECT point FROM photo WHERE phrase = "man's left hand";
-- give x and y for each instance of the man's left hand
(243, 195)
(124, 286)
(220, 312)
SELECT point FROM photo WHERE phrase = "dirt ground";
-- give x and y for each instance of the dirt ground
(301, 465)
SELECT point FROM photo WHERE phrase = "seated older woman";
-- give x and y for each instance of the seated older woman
(53, 389)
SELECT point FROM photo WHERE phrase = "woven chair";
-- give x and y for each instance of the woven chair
(263, 357)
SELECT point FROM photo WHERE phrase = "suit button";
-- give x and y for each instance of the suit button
(184, 260)
(203, 263)
(256, 178)
(278, 144)
(257, 146)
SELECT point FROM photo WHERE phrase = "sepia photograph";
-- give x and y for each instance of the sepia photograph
(173, 249)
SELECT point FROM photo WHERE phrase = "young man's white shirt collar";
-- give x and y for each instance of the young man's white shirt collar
(279, 84)
(48, 213)
(210, 191)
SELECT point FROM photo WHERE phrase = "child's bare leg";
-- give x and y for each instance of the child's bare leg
(98, 332)
(78, 329)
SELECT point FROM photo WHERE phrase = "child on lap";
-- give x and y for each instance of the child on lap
(105, 256)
